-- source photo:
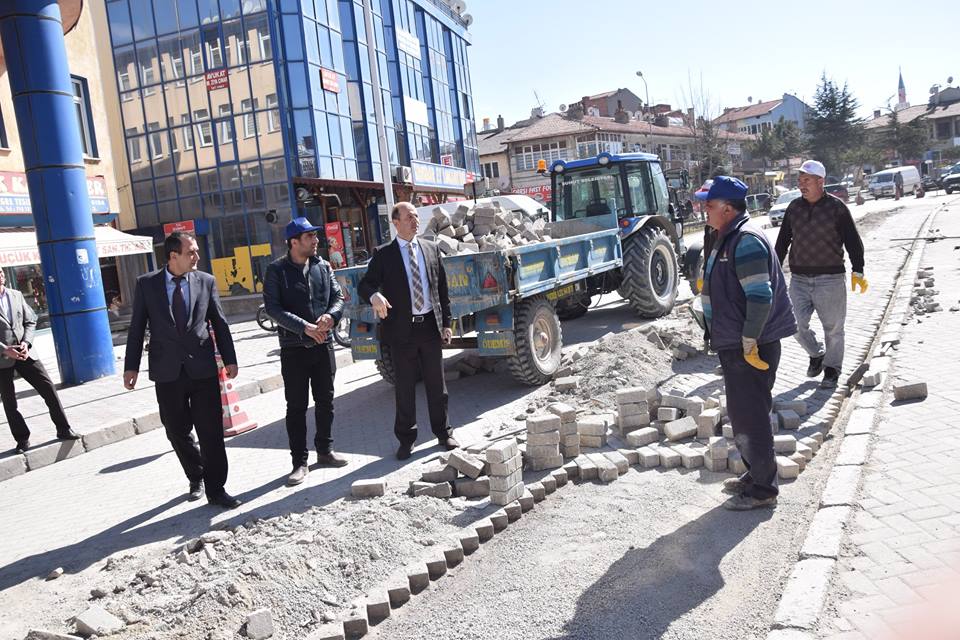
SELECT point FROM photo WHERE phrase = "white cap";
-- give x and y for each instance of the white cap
(814, 168)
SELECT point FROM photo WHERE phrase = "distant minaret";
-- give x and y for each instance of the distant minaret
(902, 94)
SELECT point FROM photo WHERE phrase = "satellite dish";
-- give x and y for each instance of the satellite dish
(467, 19)
(950, 80)
(458, 6)
(563, 108)
(750, 99)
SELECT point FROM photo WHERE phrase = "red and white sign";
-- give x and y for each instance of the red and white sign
(183, 226)
(541, 192)
(330, 80)
(446, 159)
(20, 247)
(15, 195)
(335, 250)
(217, 79)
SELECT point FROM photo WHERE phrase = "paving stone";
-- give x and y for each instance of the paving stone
(505, 483)
(826, 532)
(727, 431)
(649, 458)
(672, 400)
(642, 437)
(804, 593)
(540, 439)
(109, 434)
(466, 488)
(853, 450)
(680, 429)
(499, 520)
(12, 466)
(549, 462)
(810, 443)
(631, 455)
(693, 406)
(150, 421)
(505, 468)
(332, 631)
(543, 424)
(668, 414)
(47, 454)
(570, 383)
(97, 621)
(43, 634)
(453, 553)
(433, 489)
(631, 395)
(797, 406)
(842, 486)
(368, 488)
(860, 422)
(560, 475)
(587, 469)
(469, 542)
(501, 451)
(689, 458)
(569, 451)
(805, 451)
(572, 469)
(787, 468)
(707, 422)
(526, 500)
(436, 562)
(537, 490)
(503, 498)
(484, 529)
(735, 462)
(356, 625)
(789, 419)
(378, 606)
(593, 442)
(592, 426)
(619, 460)
(549, 483)
(631, 422)
(606, 470)
(717, 448)
(715, 464)
(572, 440)
(467, 464)
(438, 472)
(259, 625)
(784, 444)
(912, 390)
(514, 510)
(799, 459)
(633, 409)
(568, 429)
(669, 458)
(565, 412)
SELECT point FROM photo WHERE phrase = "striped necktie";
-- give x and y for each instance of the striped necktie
(415, 277)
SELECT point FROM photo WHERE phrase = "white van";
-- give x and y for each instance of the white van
(881, 183)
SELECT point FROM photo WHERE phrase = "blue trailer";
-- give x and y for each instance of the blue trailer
(508, 297)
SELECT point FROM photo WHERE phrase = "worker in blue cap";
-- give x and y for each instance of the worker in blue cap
(747, 312)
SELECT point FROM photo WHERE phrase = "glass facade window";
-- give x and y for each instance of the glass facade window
(528, 155)
(81, 103)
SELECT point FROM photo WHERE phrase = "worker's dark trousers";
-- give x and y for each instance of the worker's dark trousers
(749, 402)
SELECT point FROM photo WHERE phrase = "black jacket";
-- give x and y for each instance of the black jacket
(169, 351)
(387, 273)
(288, 300)
(816, 235)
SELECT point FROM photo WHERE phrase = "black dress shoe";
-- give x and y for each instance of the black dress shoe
(404, 452)
(448, 443)
(196, 490)
(22, 446)
(331, 459)
(815, 368)
(225, 500)
(69, 434)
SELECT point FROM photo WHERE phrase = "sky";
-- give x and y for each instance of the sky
(530, 52)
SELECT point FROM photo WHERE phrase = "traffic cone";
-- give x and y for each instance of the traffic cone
(235, 420)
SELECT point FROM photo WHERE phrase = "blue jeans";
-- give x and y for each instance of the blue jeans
(827, 295)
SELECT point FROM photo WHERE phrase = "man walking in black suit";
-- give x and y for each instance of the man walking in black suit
(302, 296)
(178, 301)
(407, 287)
(17, 324)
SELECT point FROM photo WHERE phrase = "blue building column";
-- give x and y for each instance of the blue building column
(36, 61)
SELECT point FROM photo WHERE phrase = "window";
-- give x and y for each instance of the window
(124, 79)
(81, 103)
(174, 146)
(204, 127)
(943, 129)
(249, 119)
(273, 116)
(196, 62)
(263, 35)
(528, 155)
(133, 145)
(592, 145)
(154, 140)
(226, 124)
(187, 132)
(491, 169)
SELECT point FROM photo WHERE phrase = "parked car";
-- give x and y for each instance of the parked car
(759, 202)
(780, 206)
(881, 182)
(839, 190)
(951, 181)
(930, 183)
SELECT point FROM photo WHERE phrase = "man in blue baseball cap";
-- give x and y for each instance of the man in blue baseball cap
(747, 312)
(301, 294)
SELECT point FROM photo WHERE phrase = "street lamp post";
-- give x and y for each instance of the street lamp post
(646, 90)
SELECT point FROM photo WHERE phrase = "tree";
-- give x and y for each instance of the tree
(766, 147)
(789, 137)
(709, 149)
(907, 141)
(833, 126)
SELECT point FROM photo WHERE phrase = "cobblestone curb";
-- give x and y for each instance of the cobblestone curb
(808, 584)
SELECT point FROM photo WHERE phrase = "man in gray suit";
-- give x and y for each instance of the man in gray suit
(17, 324)
(178, 302)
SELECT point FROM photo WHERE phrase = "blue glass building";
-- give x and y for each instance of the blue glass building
(238, 113)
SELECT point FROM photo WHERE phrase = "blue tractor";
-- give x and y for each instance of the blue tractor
(646, 201)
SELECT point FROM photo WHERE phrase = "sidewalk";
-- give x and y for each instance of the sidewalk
(902, 548)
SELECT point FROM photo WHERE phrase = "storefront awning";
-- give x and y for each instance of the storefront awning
(20, 247)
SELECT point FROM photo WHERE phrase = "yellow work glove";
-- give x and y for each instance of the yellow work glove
(751, 353)
(699, 285)
(857, 280)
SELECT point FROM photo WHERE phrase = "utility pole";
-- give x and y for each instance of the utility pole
(378, 113)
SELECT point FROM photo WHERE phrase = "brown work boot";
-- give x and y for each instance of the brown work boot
(298, 475)
(746, 503)
(331, 459)
(734, 486)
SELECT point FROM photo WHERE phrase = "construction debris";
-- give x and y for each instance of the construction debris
(483, 227)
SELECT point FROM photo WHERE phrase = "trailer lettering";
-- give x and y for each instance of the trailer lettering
(533, 267)
(498, 343)
(365, 349)
(570, 261)
(458, 281)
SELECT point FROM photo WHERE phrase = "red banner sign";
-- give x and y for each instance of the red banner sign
(541, 192)
(335, 251)
(184, 226)
(217, 79)
(330, 80)
(15, 195)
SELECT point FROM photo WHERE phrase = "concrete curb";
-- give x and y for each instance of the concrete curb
(806, 589)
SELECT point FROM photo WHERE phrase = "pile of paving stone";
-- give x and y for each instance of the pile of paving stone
(483, 227)
(922, 299)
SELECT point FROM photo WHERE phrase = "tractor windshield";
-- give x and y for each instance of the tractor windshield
(624, 189)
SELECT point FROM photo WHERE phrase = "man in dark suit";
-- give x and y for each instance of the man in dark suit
(17, 324)
(407, 287)
(178, 301)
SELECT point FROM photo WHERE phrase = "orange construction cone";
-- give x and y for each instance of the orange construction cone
(235, 420)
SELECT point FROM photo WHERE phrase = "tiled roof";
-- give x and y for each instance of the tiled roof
(493, 143)
(550, 126)
(647, 128)
(749, 111)
(904, 116)
(947, 111)
(605, 94)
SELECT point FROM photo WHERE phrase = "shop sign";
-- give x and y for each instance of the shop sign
(408, 43)
(183, 226)
(335, 249)
(427, 174)
(330, 80)
(416, 111)
(446, 159)
(217, 79)
(540, 192)
(15, 195)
